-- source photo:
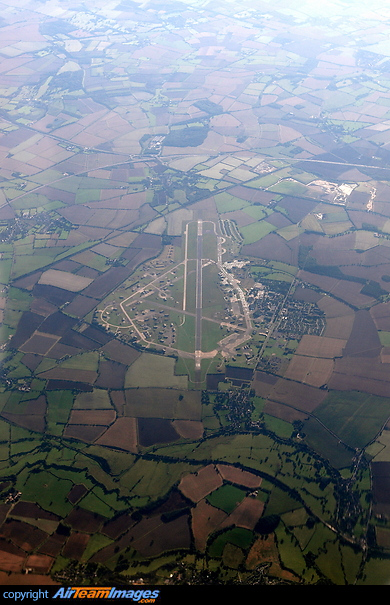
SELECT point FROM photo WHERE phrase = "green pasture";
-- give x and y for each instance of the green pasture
(4, 431)
(163, 403)
(226, 202)
(27, 263)
(384, 338)
(95, 543)
(46, 489)
(191, 279)
(376, 572)
(83, 361)
(211, 335)
(30, 200)
(185, 334)
(255, 231)
(283, 267)
(151, 370)
(257, 212)
(209, 243)
(59, 407)
(90, 259)
(226, 498)
(328, 446)
(270, 179)
(291, 556)
(290, 187)
(278, 426)
(148, 480)
(356, 417)
(102, 502)
(213, 298)
(380, 449)
(237, 536)
(98, 399)
(280, 277)
(290, 232)
(191, 286)
(46, 176)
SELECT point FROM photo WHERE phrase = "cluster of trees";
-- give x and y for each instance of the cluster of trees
(190, 136)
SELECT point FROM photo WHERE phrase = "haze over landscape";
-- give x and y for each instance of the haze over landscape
(194, 292)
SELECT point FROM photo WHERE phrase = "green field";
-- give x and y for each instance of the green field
(255, 231)
(213, 302)
(163, 403)
(239, 537)
(227, 498)
(154, 371)
(228, 203)
(355, 417)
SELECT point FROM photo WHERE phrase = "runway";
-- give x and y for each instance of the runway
(198, 302)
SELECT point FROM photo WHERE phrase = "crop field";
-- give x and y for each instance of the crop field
(163, 403)
(340, 411)
(227, 498)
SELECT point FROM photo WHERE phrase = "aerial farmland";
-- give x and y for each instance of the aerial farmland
(194, 293)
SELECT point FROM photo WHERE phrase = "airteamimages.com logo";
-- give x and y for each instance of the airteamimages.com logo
(84, 592)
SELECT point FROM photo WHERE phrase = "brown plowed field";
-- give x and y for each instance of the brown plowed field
(364, 339)
(39, 344)
(339, 327)
(385, 355)
(122, 434)
(84, 520)
(75, 545)
(39, 563)
(381, 486)
(10, 561)
(345, 290)
(25, 536)
(356, 382)
(205, 519)
(264, 383)
(283, 412)
(246, 515)
(263, 550)
(320, 346)
(29, 509)
(81, 305)
(274, 247)
(72, 375)
(84, 433)
(53, 545)
(111, 374)
(334, 308)
(298, 395)
(310, 370)
(92, 417)
(306, 295)
(239, 476)
(152, 537)
(189, 429)
(198, 485)
(366, 367)
(31, 422)
(116, 527)
(76, 493)
(120, 352)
